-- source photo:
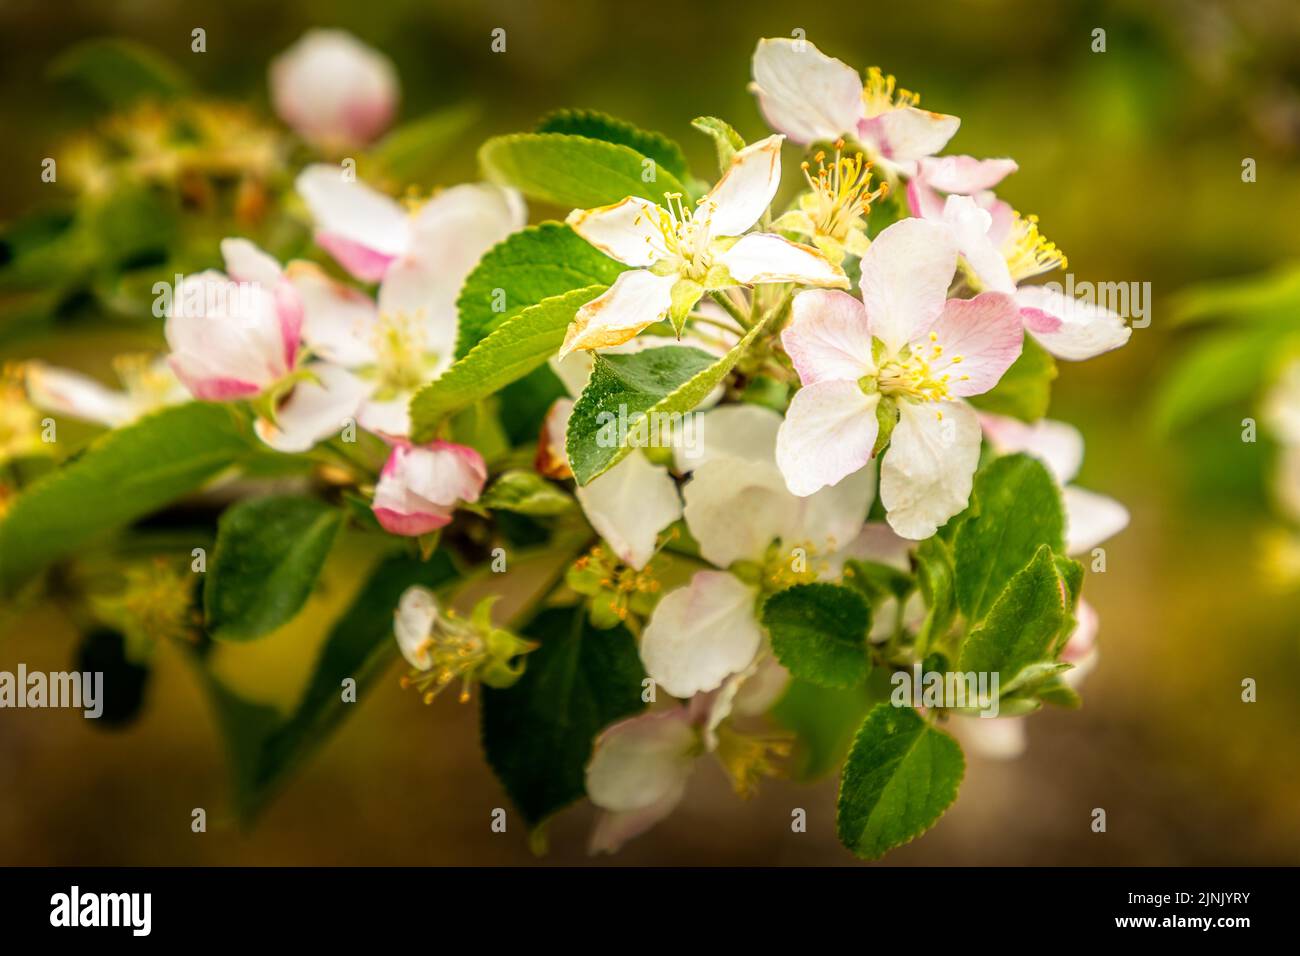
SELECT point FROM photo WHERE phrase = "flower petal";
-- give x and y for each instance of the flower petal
(744, 431)
(828, 337)
(66, 392)
(353, 212)
(612, 830)
(745, 190)
(971, 226)
(314, 410)
(833, 517)
(905, 279)
(907, 134)
(451, 232)
(629, 505)
(636, 299)
(413, 622)
(980, 339)
(1083, 329)
(828, 434)
(803, 92)
(761, 257)
(1090, 519)
(926, 474)
(965, 175)
(736, 509)
(998, 738)
(245, 262)
(640, 762)
(628, 231)
(338, 320)
(416, 292)
(334, 91)
(700, 634)
(1058, 445)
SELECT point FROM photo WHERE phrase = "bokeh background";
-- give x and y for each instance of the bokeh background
(1132, 158)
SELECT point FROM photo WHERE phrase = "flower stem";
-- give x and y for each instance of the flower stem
(728, 303)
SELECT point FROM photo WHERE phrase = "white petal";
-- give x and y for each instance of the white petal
(413, 622)
(761, 257)
(833, 517)
(451, 232)
(1084, 330)
(998, 738)
(1090, 519)
(745, 431)
(639, 762)
(629, 505)
(1056, 444)
(964, 174)
(629, 230)
(390, 418)
(908, 134)
(338, 321)
(905, 278)
(971, 225)
(926, 474)
(415, 292)
(354, 211)
(245, 262)
(1282, 405)
(828, 337)
(878, 543)
(736, 508)
(314, 410)
(803, 92)
(65, 392)
(612, 830)
(700, 634)
(745, 190)
(636, 299)
(828, 434)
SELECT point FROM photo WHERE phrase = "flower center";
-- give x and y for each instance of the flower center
(148, 383)
(841, 193)
(1028, 252)
(881, 93)
(402, 355)
(686, 236)
(455, 650)
(911, 374)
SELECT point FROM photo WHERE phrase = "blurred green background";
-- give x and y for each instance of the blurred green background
(1132, 159)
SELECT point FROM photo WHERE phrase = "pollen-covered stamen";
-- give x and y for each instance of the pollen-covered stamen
(842, 192)
(920, 372)
(147, 382)
(748, 758)
(685, 234)
(1028, 252)
(401, 352)
(881, 93)
(455, 650)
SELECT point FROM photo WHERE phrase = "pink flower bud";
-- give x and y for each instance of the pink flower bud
(420, 485)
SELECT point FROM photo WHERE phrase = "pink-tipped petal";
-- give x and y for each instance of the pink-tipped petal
(828, 434)
(974, 342)
(1083, 329)
(803, 92)
(1058, 445)
(905, 279)
(964, 174)
(828, 337)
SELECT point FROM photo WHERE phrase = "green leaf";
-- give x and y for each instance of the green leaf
(819, 633)
(530, 266)
(574, 171)
(596, 125)
(1015, 509)
(538, 734)
(652, 384)
(726, 139)
(1026, 626)
(823, 720)
(125, 474)
(526, 493)
(265, 746)
(1272, 297)
(410, 152)
(511, 352)
(877, 581)
(119, 72)
(901, 775)
(268, 555)
(1025, 390)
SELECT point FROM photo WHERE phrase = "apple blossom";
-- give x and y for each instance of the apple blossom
(678, 254)
(832, 213)
(1002, 248)
(333, 90)
(812, 97)
(148, 385)
(420, 485)
(902, 358)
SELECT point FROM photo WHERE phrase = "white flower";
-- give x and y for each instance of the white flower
(420, 486)
(407, 337)
(812, 97)
(148, 385)
(334, 91)
(737, 507)
(1002, 249)
(679, 253)
(908, 353)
